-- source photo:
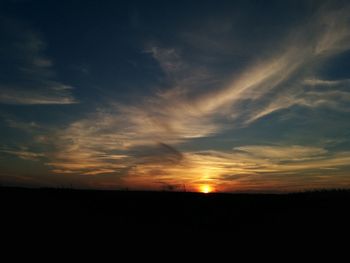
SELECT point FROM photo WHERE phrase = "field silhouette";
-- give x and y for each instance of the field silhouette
(115, 211)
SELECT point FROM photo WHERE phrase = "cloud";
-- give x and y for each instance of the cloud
(169, 59)
(143, 142)
(335, 100)
(260, 168)
(25, 154)
(30, 76)
(283, 153)
(256, 168)
(96, 150)
(79, 153)
(25, 126)
(54, 93)
(325, 94)
(335, 36)
(276, 79)
(314, 82)
(269, 84)
(159, 153)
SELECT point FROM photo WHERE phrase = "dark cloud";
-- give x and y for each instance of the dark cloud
(160, 153)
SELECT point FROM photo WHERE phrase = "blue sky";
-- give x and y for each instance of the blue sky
(237, 95)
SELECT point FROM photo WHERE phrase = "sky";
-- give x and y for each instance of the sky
(231, 96)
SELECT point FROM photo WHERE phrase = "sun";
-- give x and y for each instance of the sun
(205, 189)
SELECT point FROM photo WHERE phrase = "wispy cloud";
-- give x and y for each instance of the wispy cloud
(314, 82)
(266, 167)
(335, 33)
(51, 93)
(283, 153)
(143, 141)
(268, 85)
(24, 154)
(169, 59)
(21, 125)
(31, 78)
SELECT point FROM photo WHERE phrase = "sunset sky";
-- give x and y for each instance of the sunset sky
(224, 96)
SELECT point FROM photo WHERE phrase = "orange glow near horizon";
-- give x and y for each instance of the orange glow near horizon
(205, 189)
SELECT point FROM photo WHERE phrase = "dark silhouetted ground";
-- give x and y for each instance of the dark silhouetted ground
(56, 210)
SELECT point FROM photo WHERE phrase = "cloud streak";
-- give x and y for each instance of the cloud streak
(30, 79)
(53, 93)
(25, 154)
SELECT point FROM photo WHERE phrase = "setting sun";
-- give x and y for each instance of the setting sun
(206, 189)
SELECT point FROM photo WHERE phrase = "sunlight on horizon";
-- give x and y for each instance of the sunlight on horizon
(206, 189)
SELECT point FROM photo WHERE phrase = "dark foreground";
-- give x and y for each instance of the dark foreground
(56, 210)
